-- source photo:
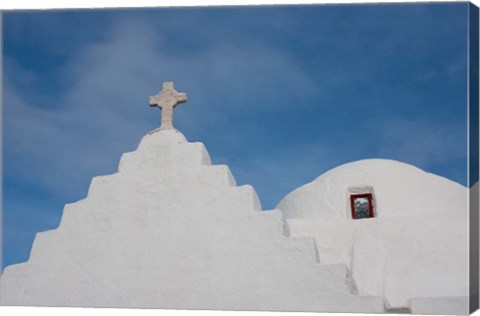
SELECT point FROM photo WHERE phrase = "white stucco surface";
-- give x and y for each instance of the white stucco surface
(440, 306)
(170, 230)
(415, 247)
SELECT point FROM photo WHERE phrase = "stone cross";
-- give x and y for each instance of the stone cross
(167, 100)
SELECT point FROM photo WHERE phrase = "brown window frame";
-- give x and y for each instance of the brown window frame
(370, 201)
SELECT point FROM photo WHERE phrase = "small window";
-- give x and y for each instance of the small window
(362, 205)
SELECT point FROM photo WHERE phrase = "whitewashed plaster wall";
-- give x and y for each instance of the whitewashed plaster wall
(170, 230)
(415, 247)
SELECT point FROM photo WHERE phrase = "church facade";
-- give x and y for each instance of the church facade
(171, 230)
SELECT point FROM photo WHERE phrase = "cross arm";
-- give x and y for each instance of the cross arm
(181, 97)
(154, 102)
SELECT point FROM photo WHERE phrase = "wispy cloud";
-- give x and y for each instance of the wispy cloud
(104, 111)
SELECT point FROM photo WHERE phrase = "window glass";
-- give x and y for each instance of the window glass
(362, 206)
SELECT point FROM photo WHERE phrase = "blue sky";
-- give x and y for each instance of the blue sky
(280, 94)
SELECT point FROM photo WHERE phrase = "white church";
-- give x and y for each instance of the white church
(171, 230)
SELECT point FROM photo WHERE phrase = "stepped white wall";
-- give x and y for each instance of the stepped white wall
(169, 230)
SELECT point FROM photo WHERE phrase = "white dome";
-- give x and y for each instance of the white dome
(398, 189)
(414, 248)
